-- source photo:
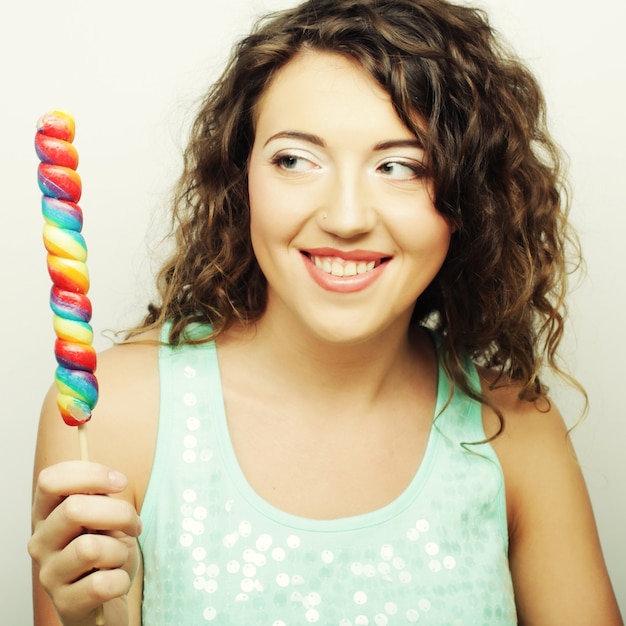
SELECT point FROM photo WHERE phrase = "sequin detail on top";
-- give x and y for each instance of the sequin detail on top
(216, 553)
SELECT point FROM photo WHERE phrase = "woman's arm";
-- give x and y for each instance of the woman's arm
(556, 561)
(74, 571)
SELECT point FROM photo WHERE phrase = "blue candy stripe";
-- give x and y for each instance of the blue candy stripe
(62, 213)
(78, 384)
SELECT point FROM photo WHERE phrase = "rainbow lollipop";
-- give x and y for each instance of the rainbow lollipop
(67, 254)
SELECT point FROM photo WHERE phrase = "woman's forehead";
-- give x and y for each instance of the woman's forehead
(329, 95)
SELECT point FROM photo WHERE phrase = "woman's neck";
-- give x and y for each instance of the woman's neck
(362, 372)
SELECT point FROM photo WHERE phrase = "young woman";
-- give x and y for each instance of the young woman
(333, 415)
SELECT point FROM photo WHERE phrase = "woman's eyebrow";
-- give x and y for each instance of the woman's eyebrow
(318, 141)
(295, 134)
(398, 143)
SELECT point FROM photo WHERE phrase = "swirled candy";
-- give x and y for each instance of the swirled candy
(78, 394)
(67, 256)
(70, 306)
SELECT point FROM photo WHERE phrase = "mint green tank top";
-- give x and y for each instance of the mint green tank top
(214, 552)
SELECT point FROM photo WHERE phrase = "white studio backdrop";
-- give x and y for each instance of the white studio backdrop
(131, 74)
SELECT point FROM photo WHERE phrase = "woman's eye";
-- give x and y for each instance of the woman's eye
(402, 171)
(292, 163)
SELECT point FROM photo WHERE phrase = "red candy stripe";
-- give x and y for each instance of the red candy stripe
(56, 151)
(59, 182)
(70, 305)
(76, 356)
(57, 124)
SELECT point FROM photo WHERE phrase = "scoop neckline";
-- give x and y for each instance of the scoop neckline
(342, 524)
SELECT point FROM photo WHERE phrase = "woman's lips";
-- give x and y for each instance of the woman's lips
(344, 272)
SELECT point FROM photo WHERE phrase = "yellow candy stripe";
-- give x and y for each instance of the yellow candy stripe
(73, 411)
(73, 331)
(68, 274)
(64, 243)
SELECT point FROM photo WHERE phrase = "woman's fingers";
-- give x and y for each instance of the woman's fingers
(77, 513)
(86, 554)
(94, 513)
(111, 564)
(84, 541)
(80, 598)
(59, 481)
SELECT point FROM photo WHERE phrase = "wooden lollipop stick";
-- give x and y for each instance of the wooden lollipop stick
(82, 441)
(84, 456)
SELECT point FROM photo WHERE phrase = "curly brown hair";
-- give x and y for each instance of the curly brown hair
(497, 176)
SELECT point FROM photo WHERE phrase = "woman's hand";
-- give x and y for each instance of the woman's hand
(84, 541)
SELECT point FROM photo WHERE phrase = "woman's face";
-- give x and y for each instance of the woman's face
(341, 214)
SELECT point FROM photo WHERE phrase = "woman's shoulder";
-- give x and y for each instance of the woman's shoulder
(554, 550)
(141, 348)
(554, 553)
(532, 442)
(123, 429)
(127, 374)
(530, 438)
(521, 418)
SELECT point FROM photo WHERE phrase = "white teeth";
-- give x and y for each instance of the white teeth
(339, 268)
(350, 269)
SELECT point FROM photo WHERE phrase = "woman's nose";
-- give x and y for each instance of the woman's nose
(347, 210)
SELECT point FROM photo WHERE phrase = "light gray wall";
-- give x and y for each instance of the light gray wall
(130, 73)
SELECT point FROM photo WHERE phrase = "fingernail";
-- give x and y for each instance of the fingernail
(117, 479)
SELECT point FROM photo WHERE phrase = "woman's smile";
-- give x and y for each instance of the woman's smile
(344, 271)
